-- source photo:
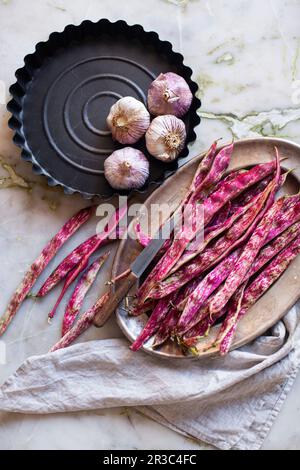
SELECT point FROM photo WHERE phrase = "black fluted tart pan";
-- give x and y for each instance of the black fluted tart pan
(63, 94)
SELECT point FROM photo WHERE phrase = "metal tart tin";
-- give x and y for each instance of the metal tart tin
(63, 94)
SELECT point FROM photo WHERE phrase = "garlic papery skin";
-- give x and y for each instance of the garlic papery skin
(127, 168)
(169, 94)
(128, 120)
(165, 137)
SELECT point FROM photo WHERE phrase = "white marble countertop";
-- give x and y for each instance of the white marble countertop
(245, 58)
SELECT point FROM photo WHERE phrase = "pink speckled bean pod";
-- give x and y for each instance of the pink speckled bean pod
(84, 322)
(229, 190)
(140, 309)
(187, 290)
(192, 312)
(84, 284)
(73, 258)
(232, 314)
(67, 264)
(271, 273)
(201, 172)
(220, 217)
(235, 236)
(244, 263)
(203, 167)
(258, 287)
(248, 195)
(189, 229)
(219, 166)
(230, 176)
(196, 247)
(290, 214)
(158, 315)
(50, 250)
(191, 197)
(199, 330)
(257, 240)
(253, 216)
(265, 255)
(167, 327)
(144, 287)
(145, 239)
(232, 188)
(111, 227)
(151, 280)
(199, 176)
(273, 248)
(142, 237)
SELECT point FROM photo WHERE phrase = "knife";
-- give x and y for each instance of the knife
(137, 268)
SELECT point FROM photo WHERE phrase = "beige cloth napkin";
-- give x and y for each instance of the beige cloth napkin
(228, 402)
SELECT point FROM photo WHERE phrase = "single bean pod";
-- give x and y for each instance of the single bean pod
(84, 322)
(157, 316)
(220, 217)
(84, 284)
(215, 173)
(204, 167)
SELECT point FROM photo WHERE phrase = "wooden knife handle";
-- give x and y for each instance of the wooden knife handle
(120, 291)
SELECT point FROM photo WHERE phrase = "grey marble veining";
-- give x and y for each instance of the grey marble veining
(246, 61)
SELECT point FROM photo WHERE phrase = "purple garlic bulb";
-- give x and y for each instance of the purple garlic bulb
(169, 94)
(127, 168)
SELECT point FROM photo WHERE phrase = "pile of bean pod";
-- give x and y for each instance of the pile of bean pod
(76, 266)
(250, 238)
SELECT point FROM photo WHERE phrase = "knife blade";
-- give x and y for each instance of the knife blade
(137, 268)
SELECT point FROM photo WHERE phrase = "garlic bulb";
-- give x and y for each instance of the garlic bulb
(165, 137)
(169, 94)
(127, 168)
(128, 120)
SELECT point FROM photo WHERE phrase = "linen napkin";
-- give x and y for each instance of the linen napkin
(228, 402)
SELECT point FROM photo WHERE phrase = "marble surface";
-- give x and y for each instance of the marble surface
(245, 57)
